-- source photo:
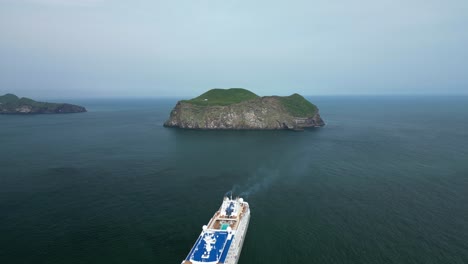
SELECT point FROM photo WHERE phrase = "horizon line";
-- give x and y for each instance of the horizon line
(305, 95)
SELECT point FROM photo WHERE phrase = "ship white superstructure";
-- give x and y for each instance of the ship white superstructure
(220, 242)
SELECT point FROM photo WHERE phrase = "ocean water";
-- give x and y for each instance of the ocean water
(385, 181)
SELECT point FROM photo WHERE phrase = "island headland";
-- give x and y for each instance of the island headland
(12, 104)
(241, 109)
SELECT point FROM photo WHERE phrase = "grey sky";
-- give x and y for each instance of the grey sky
(87, 48)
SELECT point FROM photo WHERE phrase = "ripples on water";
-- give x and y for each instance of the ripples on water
(384, 182)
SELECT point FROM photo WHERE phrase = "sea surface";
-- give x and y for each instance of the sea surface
(385, 181)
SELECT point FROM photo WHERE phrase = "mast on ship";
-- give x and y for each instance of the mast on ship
(229, 194)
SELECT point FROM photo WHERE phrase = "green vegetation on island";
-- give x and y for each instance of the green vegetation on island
(295, 103)
(298, 105)
(12, 104)
(223, 97)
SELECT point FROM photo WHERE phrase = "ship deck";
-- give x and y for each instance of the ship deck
(211, 247)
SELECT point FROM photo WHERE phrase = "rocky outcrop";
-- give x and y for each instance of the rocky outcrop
(11, 104)
(269, 112)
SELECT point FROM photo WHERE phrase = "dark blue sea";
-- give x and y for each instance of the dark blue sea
(385, 181)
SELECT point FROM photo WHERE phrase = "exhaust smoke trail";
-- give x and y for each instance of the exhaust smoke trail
(261, 180)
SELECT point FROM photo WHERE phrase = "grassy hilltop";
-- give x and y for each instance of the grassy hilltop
(223, 97)
(295, 104)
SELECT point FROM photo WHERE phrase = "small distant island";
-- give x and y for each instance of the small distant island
(12, 104)
(238, 108)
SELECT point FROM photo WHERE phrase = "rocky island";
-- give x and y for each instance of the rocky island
(238, 108)
(12, 104)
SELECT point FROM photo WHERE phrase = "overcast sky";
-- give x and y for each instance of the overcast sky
(114, 48)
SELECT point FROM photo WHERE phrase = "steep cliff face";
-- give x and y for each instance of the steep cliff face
(11, 104)
(269, 112)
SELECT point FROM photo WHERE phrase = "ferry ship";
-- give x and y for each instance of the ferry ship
(220, 242)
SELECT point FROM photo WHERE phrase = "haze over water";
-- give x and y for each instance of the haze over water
(383, 182)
